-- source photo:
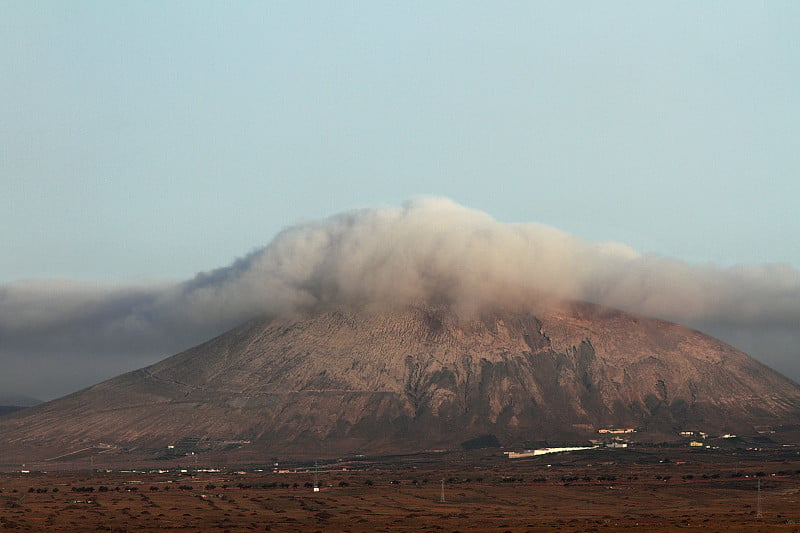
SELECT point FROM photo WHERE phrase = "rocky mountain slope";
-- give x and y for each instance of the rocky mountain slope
(424, 377)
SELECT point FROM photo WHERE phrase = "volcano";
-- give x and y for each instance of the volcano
(418, 378)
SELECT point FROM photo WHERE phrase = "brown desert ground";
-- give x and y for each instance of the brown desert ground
(647, 489)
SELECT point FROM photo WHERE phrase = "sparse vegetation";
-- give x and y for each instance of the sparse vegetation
(481, 491)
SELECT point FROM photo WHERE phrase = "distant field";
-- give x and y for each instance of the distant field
(482, 491)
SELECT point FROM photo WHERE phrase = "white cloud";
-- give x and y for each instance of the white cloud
(428, 249)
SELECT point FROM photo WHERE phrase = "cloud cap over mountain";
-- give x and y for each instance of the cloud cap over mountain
(429, 249)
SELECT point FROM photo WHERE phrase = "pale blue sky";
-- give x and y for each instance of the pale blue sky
(152, 140)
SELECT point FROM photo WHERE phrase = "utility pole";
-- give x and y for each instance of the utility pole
(442, 500)
(758, 501)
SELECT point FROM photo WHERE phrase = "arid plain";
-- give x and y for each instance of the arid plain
(635, 489)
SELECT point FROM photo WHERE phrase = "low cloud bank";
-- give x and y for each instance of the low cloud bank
(429, 249)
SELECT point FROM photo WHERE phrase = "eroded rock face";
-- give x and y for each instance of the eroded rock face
(420, 378)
